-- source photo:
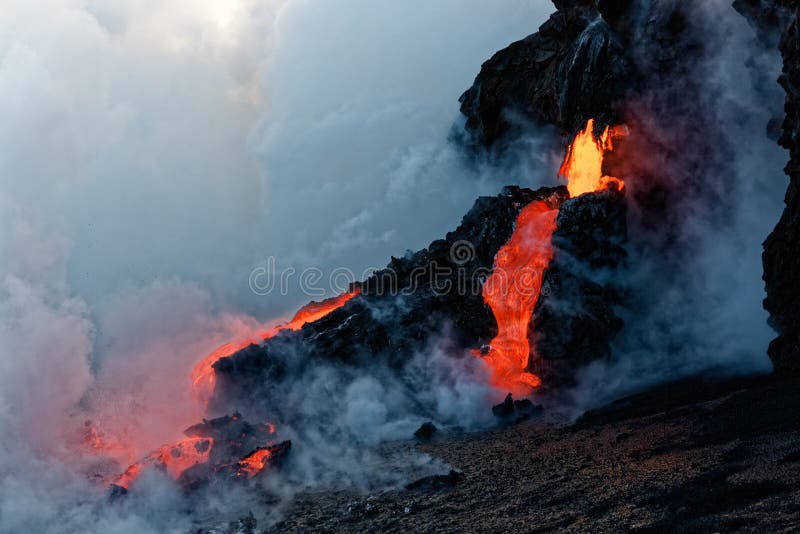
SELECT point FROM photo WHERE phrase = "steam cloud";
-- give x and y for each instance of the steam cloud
(154, 153)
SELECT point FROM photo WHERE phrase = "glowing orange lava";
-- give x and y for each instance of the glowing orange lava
(174, 459)
(203, 377)
(514, 286)
(512, 291)
(583, 164)
(253, 464)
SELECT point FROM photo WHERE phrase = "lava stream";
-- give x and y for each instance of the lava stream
(203, 377)
(512, 291)
(177, 457)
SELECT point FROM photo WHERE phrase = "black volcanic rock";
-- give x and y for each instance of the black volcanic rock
(574, 320)
(574, 68)
(778, 21)
(426, 431)
(437, 482)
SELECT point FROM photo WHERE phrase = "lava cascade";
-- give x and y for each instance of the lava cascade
(515, 284)
(512, 291)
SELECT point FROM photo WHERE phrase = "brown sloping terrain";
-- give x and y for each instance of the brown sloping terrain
(687, 457)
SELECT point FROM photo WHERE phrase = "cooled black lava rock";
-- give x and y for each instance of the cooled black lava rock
(505, 408)
(519, 410)
(437, 482)
(232, 441)
(426, 431)
(778, 21)
(574, 320)
(574, 68)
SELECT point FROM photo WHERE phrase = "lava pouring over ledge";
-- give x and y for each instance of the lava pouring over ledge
(512, 291)
(515, 284)
(203, 376)
(583, 165)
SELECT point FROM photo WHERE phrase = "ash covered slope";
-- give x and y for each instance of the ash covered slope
(778, 22)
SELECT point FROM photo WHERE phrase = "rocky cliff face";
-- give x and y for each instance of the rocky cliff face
(778, 24)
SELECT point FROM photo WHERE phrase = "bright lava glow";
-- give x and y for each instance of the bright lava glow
(203, 376)
(583, 164)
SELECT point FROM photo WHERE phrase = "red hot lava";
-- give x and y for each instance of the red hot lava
(514, 286)
(203, 376)
(177, 457)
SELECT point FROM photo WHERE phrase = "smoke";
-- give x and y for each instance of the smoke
(699, 290)
(154, 153)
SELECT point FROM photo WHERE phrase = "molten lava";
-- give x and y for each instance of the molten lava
(583, 164)
(253, 464)
(516, 281)
(174, 459)
(512, 291)
(203, 376)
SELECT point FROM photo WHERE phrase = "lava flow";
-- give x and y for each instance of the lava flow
(203, 376)
(515, 284)
(512, 291)
(177, 457)
(251, 465)
(174, 458)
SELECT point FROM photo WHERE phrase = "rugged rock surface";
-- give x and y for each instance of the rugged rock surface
(574, 321)
(778, 21)
(573, 69)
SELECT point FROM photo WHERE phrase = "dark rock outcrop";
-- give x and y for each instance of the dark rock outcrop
(574, 321)
(574, 68)
(402, 308)
(426, 431)
(778, 23)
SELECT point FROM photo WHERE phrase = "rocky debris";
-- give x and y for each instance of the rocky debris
(437, 482)
(520, 410)
(778, 23)
(426, 431)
